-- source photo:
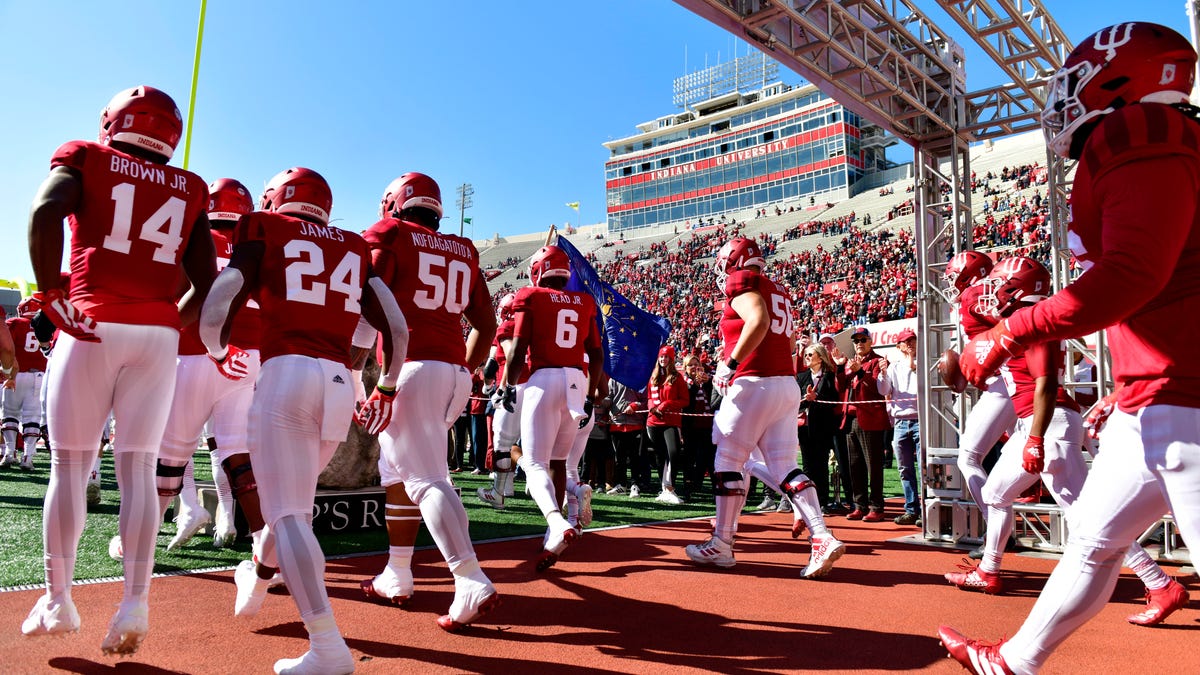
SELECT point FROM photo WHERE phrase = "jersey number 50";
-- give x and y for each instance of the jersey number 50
(445, 284)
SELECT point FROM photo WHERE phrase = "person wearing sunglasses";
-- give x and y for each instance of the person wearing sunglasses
(865, 439)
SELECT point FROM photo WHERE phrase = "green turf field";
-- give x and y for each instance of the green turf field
(21, 495)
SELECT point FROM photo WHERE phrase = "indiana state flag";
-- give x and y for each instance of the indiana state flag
(632, 336)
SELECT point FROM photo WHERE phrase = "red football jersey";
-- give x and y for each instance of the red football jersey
(772, 356)
(1021, 373)
(129, 233)
(1135, 227)
(310, 285)
(435, 278)
(29, 355)
(973, 323)
(507, 331)
(247, 325)
(560, 326)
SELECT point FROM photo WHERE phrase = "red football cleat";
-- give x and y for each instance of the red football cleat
(1160, 604)
(974, 579)
(873, 517)
(856, 514)
(981, 658)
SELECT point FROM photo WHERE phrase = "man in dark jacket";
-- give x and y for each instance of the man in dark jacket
(865, 439)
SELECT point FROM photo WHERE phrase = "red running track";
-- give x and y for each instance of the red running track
(626, 601)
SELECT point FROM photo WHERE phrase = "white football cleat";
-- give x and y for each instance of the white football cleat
(51, 616)
(328, 661)
(583, 493)
(187, 524)
(27, 463)
(490, 497)
(390, 585)
(714, 551)
(472, 599)
(127, 629)
(558, 538)
(224, 531)
(825, 551)
(116, 550)
(251, 590)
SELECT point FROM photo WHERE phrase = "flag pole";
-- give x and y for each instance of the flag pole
(187, 143)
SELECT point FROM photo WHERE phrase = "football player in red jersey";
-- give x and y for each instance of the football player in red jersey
(757, 377)
(312, 282)
(555, 328)
(1048, 439)
(992, 415)
(1119, 106)
(202, 391)
(506, 426)
(136, 223)
(22, 395)
(437, 281)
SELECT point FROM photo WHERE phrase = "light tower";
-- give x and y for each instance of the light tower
(463, 203)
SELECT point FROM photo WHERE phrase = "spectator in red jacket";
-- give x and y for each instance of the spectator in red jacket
(666, 397)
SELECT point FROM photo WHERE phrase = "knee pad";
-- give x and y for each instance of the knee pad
(502, 465)
(795, 482)
(10, 424)
(169, 479)
(31, 430)
(728, 484)
(240, 473)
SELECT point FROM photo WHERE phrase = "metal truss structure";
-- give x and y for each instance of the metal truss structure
(887, 61)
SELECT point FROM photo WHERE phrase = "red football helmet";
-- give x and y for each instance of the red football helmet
(228, 200)
(145, 117)
(298, 191)
(1012, 282)
(737, 253)
(549, 262)
(506, 306)
(964, 269)
(1119, 65)
(409, 191)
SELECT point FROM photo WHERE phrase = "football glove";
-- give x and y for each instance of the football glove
(724, 376)
(1098, 415)
(1033, 457)
(376, 413)
(984, 354)
(508, 398)
(588, 406)
(69, 318)
(235, 364)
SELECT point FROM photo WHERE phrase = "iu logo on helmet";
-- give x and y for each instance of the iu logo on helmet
(1168, 73)
(1109, 41)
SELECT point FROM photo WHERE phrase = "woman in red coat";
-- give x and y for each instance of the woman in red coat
(666, 397)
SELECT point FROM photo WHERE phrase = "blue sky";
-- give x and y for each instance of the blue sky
(515, 99)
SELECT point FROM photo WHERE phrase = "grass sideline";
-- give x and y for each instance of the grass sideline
(22, 494)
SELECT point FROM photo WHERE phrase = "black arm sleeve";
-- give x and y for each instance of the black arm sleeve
(43, 327)
(490, 369)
